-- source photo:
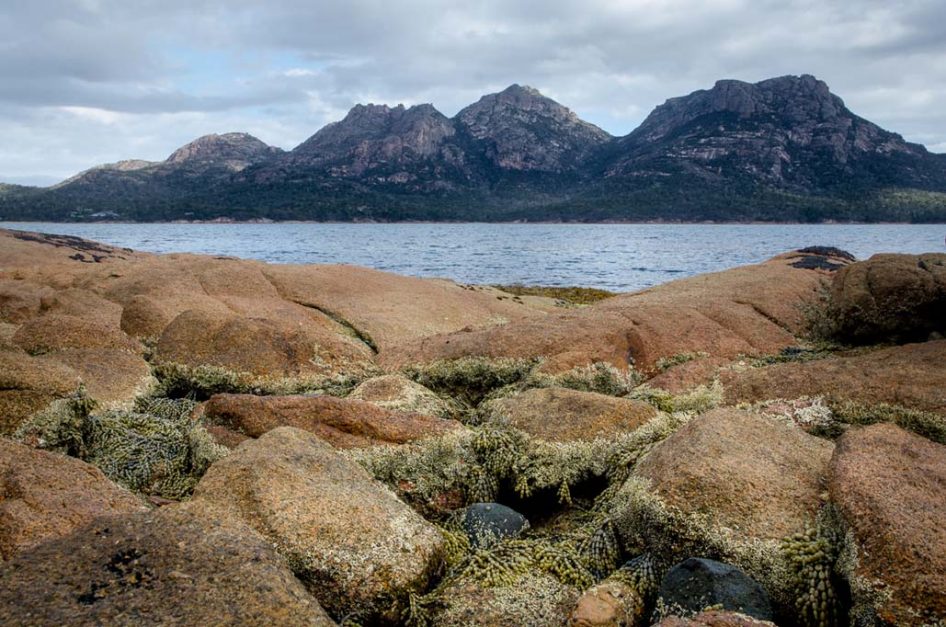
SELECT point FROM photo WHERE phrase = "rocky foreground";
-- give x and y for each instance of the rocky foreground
(190, 439)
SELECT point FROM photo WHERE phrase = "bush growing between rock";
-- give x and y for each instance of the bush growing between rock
(155, 449)
(470, 379)
(202, 382)
(698, 400)
(474, 463)
(600, 377)
(800, 573)
(927, 424)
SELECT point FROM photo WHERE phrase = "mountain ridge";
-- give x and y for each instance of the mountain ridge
(784, 149)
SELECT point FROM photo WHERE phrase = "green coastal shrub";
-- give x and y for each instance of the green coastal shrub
(927, 424)
(698, 400)
(156, 448)
(202, 382)
(600, 377)
(469, 380)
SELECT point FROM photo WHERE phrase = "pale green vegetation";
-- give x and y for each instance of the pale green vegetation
(202, 382)
(155, 449)
(699, 399)
(665, 363)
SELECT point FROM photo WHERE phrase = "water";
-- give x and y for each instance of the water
(618, 257)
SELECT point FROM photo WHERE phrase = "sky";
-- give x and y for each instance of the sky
(85, 82)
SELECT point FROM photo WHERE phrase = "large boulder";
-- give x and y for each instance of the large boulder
(359, 549)
(890, 488)
(729, 485)
(890, 297)
(564, 415)
(46, 495)
(112, 377)
(179, 565)
(698, 583)
(342, 422)
(754, 475)
(912, 376)
(398, 393)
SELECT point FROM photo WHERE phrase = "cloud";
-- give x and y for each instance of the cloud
(84, 81)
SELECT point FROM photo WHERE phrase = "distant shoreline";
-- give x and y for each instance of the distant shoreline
(507, 222)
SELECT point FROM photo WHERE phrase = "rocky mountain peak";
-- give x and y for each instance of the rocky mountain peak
(420, 129)
(525, 130)
(235, 151)
(790, 131)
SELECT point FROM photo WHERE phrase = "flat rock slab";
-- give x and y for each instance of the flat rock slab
(890, 486)
(342, 422)
(755, 475)
(564, 415)
(356, 546)
(913, 375)
(45, 495)
(178, 565)
(748, 310)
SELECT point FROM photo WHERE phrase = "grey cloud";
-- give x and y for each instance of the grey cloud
(610, 60)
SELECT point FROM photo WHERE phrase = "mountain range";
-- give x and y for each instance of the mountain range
(783, 149)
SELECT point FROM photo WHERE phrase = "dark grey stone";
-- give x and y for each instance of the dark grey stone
(485, 523)
(697, 583)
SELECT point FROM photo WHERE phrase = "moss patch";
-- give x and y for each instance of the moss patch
(571, 295)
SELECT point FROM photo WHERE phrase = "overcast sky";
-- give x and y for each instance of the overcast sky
(84, 82)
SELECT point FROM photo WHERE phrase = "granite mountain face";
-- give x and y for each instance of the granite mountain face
(789, 132)
(781, 149)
